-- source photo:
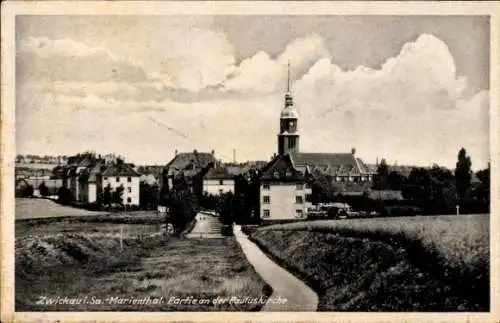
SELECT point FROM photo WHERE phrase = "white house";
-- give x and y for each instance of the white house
(123, 175)
(218, 181)
(284, 191)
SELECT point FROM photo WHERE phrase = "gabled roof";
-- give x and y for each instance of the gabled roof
(199, 159)
(218, 173)
(324, 159)
(190, 163)
(120, 170)
(281, 169)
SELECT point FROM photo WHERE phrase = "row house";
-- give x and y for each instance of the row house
(86, 176)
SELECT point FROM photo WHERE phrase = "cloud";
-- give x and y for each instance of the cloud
(69, 60)
(413, 109)
(45, 47)
(262, 74)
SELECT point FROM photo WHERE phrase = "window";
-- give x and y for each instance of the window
(266, 199)
(276, 174)
(266, 214)
(221, 182)
(298, 186)
(105, 178)
(129, 179)
(299, 199)
(299, 213)
(129, 189)
(221, 191)
(117, 179)
(129, 200)
(288, 174)
(265, 186)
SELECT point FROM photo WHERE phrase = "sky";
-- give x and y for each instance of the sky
(410, 89)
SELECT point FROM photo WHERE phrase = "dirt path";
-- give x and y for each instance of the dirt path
(298, 295)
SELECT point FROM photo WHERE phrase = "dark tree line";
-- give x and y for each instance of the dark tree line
(434, 190)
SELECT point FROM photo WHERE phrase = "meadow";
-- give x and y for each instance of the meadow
(81, 256)
(433, 263)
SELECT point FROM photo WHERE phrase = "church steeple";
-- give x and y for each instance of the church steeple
(288, 138)
(288, 79)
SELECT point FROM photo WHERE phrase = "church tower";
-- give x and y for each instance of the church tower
(288, 137)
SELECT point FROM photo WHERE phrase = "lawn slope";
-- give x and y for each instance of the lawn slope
(400, 264)
(77, 259)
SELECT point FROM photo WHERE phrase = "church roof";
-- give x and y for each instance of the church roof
(334, 164)
(324, 159)
(281, 169)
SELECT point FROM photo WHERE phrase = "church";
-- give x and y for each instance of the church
(284, 189)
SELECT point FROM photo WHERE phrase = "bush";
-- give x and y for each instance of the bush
(227, 230)
(249, 228)
(26, 191)
(64, 196)
(401, 210)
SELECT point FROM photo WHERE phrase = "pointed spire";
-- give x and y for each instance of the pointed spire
(288, 78)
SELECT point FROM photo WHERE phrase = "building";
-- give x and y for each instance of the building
(86, 175)
(283, 197)
(121, 174)
(284, 191)
(218, 181)
(190, 165)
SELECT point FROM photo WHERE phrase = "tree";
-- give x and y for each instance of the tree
(44, 190)
(380, 182)
(418, 186)
(482, 191)
(27, 191)
(148, 195)
(226, 208)
(64, 195)
(182, 204)
(322, 190)
(117, 195)
(395, 180)
(107, 196)
(463, 176)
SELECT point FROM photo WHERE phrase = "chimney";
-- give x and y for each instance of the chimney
(353, 151)
(212, 152)
(176, 152)
(234, 156)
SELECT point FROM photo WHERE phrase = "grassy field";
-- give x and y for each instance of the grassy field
(30, 208)
(438, 263)
(78, 257)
